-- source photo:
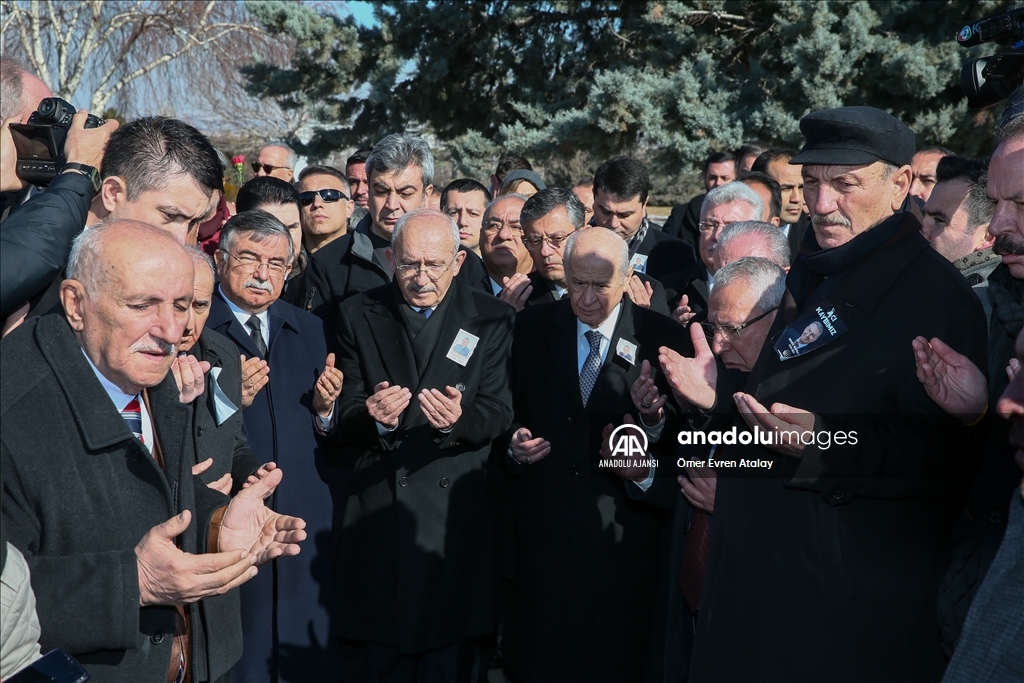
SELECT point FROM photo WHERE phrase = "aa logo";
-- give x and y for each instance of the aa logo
(628, 441)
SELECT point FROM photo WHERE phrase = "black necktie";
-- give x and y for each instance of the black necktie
(255, 331)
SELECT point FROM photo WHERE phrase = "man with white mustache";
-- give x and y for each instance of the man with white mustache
(253, 261)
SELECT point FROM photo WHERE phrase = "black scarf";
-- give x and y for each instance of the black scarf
(1007, 295)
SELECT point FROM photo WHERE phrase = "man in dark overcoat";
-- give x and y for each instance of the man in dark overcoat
(121, 539)
(416, 420)
(285, 612)
(829, 563)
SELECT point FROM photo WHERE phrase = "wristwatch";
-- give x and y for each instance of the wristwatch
(89, 172)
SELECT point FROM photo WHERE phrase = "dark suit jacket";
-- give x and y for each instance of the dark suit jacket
(347, 266)
(544, 292)
(848, 542)
(576, 528)
(682, 221)
(796, 234)
(80, 492)
(227, 445)
(413, 562)
(279, 426)
(665, 254)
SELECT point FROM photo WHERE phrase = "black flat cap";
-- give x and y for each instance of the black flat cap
(854, 136)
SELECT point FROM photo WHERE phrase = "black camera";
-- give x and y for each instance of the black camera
(989, 80)
(40, 142)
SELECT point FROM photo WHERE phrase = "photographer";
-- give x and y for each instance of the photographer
(36, 236)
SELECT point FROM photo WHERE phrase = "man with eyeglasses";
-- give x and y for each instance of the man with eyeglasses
(426, 391)
(688, 290)
(506, 260)
(288, 609)
(275, 159)
(742, 309)
(585, 554)
(400, 170)
(326, 205)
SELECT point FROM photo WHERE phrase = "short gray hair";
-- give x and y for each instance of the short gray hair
(547, 200)
(765, 279)
(406, 217)
(258, 225)
(292, 157)
(502, 197)
(735, 191)
(621, 249)
(201, 258)
(771, 235)
(12, 81)
(397, 152)
(1010, 130)
(84, 256)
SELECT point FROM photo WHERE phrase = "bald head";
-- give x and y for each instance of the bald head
(425, 256)
(128, 306)
(597, 273)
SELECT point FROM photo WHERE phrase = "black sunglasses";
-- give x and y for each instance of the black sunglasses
(267, 168)
(327, 194)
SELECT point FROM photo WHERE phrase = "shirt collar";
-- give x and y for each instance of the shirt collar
(607, 328)
(495, 287)
(117, 397)
(244, 316)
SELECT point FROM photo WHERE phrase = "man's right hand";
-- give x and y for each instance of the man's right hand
(387, 404)
(528, 450)
(693, 380)
(515, 291)
(255, 375)
(699, 485)
(87, 145)
(169, 576)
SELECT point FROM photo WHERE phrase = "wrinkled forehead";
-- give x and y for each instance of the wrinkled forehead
(506, 209)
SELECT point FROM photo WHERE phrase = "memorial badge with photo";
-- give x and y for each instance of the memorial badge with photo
(463, 347)
(626, 351)
(810, 332)
(639, 263)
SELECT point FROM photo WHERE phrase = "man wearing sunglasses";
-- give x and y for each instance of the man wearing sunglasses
(326, 206)
(400, 171)
(275, 159)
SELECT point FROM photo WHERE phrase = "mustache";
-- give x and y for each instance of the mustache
(417, 289)
(1008, 245)
(152, 346)
(834, 218)
(265, 285)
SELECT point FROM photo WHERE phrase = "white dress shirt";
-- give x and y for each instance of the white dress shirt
(121, 399)
(243, 318)
(607, 328)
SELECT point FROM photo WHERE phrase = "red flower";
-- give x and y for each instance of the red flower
(238, 160)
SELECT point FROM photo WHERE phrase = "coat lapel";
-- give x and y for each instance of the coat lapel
(225, 322)
(460, 313)
(615, 371)
(392, 341)
(564, 354)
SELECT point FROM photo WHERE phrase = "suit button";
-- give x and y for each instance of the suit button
(444, 482)
(572, 419)
(575, 469)
(199, 431)
(156, 637)
(403, 482)
(838, 495)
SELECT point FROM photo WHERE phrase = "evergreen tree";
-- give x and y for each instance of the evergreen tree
(668, 81)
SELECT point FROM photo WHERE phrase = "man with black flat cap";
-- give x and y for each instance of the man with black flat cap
(829, 563)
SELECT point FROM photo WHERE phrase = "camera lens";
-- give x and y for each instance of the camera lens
(47, 107)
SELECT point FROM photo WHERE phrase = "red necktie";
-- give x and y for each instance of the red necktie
(132, 414)
(695, 559)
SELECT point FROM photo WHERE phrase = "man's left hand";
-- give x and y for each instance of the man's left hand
(328, 388)
(950, 379)
(223, 485)
(780, 418)
(515, 291)
(188, 375)
(250, 525)
(640, 292)
(441, 410)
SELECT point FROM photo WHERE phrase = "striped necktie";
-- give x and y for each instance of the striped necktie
(132, 414)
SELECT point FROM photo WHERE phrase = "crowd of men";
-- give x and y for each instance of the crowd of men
(327, 432)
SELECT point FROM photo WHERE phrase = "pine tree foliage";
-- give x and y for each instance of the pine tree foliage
(666, 80)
